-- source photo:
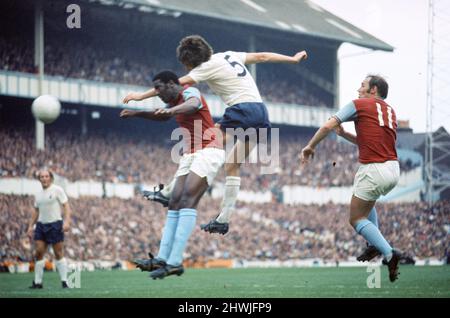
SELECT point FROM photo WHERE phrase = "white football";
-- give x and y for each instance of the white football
(46, 108)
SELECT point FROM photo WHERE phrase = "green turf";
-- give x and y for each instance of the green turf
(273, 282)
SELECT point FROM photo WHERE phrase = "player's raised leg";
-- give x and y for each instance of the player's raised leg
(232, 166)
(370, 252)
(359, 211)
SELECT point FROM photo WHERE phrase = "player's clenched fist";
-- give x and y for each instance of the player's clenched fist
(301, 56)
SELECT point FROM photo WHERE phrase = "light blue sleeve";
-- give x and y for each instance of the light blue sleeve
(346, 113)
(192, 92)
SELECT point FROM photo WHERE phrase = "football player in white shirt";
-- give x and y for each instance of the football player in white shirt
(226, 75)
(50, 227)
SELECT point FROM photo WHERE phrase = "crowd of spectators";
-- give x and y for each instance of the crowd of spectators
(110, 158)
(94, 62)
(115, 229)
(287, 92)
(116, 157)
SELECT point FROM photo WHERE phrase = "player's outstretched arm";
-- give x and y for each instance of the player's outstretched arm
(186, 80)
(140, 96)
(269, 57)
(136, 96)
(188, 107)
(151, 115)
(323, 131)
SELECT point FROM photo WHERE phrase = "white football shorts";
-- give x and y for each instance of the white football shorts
(205, 162)
(375, 179)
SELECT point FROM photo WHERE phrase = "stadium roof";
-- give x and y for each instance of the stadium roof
(297, 16)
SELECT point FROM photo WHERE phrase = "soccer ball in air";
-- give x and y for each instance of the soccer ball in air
(46, 108)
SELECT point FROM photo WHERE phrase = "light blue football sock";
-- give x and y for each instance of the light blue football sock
(168, 234)
(186, 224)
(373, 217)
(373, 235)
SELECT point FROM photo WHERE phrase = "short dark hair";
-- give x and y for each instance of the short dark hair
(193, 50)
(380, 83)
(166, 77)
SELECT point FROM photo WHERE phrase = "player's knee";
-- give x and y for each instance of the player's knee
(59, 255)
(174, 201)
(174, 204)
(39, 255)
(353, 221)
(187, 201)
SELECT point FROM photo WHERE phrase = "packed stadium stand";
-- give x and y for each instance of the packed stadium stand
(93, 55)
(115, 229)
(138, 155)
(90, 142)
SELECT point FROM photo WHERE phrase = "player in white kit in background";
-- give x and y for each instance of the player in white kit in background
(50, 227)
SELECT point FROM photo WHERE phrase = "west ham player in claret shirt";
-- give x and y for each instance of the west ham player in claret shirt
(375, 125)
(202, 158)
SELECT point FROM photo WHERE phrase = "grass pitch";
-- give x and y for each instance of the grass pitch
(241, 283)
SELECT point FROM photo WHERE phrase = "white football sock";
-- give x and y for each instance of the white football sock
(39, 271)
(167, 191)
(61, 265)
(232, 185)
(388, 257)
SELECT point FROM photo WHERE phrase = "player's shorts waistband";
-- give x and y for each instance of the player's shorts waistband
(245, 116)
(51, 222)
(248, 103)
(379, 163)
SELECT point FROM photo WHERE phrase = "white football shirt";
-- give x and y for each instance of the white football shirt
(49, 201)
(226, 75)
